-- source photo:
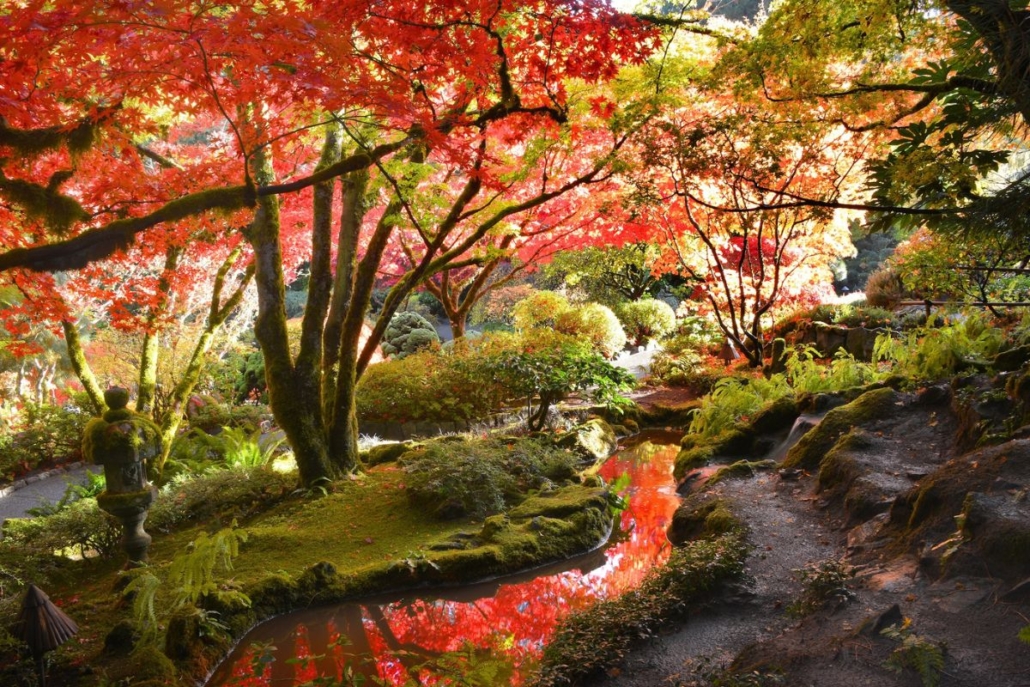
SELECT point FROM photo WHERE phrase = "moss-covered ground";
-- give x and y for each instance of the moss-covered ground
(363, 536)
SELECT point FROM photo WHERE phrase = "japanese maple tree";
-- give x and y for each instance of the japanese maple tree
(305, 95)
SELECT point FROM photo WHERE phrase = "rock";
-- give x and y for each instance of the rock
(873, 627)
(1020, 593)
(701, 515)
(867, 408)
(998, 526)
(594, 440)
(385, 453)
(1012, 359)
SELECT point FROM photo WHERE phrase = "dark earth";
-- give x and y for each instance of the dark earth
(883, 512)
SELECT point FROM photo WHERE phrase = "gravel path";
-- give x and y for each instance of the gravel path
(18, 498)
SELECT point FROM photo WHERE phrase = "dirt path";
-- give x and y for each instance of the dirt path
(971, 619)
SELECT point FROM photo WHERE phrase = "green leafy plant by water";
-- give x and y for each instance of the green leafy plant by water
(733, 399)
(807, 375)
(191, 576)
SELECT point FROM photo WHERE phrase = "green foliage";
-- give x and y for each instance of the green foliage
(220, 495)
(646, 320)
(807, 375)
(734, 399)
(431, 386)
(1024, 634)
(79, 527)
(588, 641)
(191, 576)
(45, 434)
(823, 583)
(685, 369)
(95, 484)
(610, 275)
(595, 324)
(551, 367)
(933, 353)
(539, 309)
(477, 478)
(407, 333)
(922, 655)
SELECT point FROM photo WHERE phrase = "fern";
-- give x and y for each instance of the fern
(932, 353)
(924, 656)
(733, 399)
(142, 589)
(193, 573)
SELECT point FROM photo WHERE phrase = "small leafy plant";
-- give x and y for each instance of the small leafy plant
(920, 654)
(823, 583)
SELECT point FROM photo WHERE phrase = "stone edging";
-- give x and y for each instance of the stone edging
(39, 477)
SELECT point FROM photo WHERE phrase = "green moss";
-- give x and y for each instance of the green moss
(691, 459)
(778, 415)
(702, 516)
(839, 469)
(742, 468)
(385, 453)
(867, 408)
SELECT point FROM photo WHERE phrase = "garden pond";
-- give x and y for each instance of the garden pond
(499, 627)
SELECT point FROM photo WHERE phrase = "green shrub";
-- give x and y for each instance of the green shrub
(539, 309)
(407, 333)
(550, 366)
(221, 494)
(47, 434)
(596, 324)
(430, 386)
(478, 478)
(80, 528)
(685, 369)
(646, 320)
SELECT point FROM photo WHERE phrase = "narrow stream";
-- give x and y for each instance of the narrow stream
(501, 625)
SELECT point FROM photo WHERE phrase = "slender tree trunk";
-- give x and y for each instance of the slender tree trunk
(147, 382)
(81, 367)
(217, 316)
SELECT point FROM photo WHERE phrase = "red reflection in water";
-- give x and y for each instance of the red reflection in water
(403, 642)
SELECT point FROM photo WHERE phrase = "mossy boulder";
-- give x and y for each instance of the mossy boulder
(1013, 359)
(702, 515)
(871, 406)
(385, 453)
(742, 468)
(594, 440)
(997, 525)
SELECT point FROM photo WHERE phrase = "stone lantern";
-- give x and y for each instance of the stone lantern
(114, 441)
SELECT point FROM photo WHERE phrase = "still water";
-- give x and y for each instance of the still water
(496, 628)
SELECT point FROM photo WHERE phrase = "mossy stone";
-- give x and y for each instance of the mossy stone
(594, 440)
(702, 515)
(869, 407)
(385, 453)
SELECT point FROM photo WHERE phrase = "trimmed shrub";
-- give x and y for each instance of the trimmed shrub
(407, 333)
(596, 324)
(429, 386)
(646, 320)
(540, 309)
(884, 288)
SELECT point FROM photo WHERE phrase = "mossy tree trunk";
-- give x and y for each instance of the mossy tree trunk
(150, 354)
(294, 402)
(81, 366)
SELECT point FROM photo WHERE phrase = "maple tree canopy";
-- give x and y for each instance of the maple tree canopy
(119, 116)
